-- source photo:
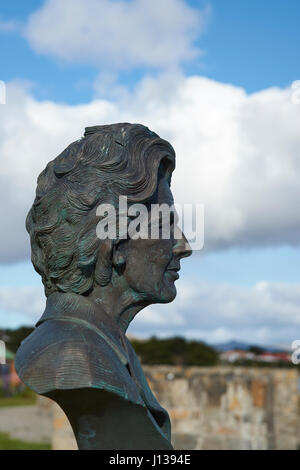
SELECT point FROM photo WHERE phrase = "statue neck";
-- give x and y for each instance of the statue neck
(107, 312)
(121, 305)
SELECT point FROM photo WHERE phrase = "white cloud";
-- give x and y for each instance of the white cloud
(117, 34)
(154, 318)
(266, 313)
(236, 153)
(20, 305)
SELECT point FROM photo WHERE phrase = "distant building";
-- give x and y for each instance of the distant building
(235, 355)
(271, 357)
(9, 379)
(274, 357)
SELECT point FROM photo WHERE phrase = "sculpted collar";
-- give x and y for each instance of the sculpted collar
(79, 309)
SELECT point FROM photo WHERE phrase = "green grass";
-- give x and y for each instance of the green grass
(6, 443)
(28, 398)
(17, 401)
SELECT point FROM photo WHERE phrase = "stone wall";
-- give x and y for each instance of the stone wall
(219, 408)
(229, 407)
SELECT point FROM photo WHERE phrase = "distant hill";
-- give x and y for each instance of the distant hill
(230, 345)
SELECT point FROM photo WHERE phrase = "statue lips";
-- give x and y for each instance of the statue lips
(173, 271)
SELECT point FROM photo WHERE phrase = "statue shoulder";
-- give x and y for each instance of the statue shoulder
(66, 355)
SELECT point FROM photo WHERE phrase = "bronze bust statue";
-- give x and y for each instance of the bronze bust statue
(78, 354)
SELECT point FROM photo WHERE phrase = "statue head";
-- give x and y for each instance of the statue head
(108, 162)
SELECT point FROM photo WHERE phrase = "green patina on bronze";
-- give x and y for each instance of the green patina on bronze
(79, 354)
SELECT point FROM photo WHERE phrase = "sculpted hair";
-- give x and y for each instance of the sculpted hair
(109, 161)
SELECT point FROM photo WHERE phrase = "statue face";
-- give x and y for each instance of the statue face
(151, 265)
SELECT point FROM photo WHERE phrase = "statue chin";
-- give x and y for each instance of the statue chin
(171, 293)
(169, 296)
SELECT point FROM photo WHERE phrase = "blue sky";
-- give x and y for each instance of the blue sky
(252, 45)
(243, 267)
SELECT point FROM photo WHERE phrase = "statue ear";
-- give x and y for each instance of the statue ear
(103, 268)
(119, 256)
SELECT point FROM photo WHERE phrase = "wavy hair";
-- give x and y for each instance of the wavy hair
(109, 161)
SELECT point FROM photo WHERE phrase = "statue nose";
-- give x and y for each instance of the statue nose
(182, 247)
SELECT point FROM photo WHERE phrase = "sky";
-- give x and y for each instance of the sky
(212, 77)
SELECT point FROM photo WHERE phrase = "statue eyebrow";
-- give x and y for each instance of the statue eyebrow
(117, 142)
